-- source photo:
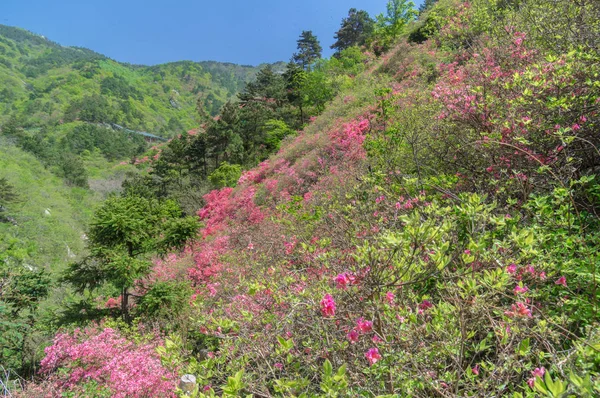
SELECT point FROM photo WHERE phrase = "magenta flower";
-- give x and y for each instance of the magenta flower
(389, 296)
(511, 269)
(352, 336)
(520, 289)
(519, 310)
(278, 365)
(372, 355)
(475, 370)
(364, 326)
(561, 281)
(344, 279)
(328, 306)
(538, 372)
(425, 305)
(543, 276)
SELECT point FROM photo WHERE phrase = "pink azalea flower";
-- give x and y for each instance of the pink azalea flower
(364, 326)
(372, 355)
(543, 276)
(561, 281)
(352, 336)
(538, 372)
(475, 370)
(511, 269)
(520, 289)
(344, 279)
(425, 305)
(278, 365)
(519, 310)
(328, 306)
(389, 296)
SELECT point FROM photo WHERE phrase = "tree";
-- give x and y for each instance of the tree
(7, 193)
(72, 169)
(11, 127)
(226, 175)
(221, 133)
(355, 30)
(126, 231)
(267, 86)
(309, 49)
(295, 78)
(390, 25)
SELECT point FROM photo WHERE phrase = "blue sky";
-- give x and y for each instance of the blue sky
(156, 31)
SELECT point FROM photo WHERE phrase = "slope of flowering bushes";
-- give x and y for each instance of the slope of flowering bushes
(100, 362)
(433, 233)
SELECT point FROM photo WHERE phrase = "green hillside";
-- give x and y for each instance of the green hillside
(45, 84)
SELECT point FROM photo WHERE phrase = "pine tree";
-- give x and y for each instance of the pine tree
(295, 78)
(355, 30)
(7, 192)
(309, 49)
(125, 233)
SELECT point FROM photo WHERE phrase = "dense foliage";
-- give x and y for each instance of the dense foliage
(420, 224)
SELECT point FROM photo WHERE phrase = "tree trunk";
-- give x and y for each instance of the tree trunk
(125, 305)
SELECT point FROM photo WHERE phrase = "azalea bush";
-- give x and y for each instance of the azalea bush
(100, 362)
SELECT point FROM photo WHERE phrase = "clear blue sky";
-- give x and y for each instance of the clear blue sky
(156, 31)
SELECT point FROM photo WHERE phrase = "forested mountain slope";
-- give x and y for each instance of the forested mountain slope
(432, 229)
(44, 83)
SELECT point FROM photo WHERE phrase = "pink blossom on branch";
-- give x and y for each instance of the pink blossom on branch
(343, 280)
(519, 310)
(373, 355)
(328, 306)
(352, 336)
(538, 372)
(364, 326)
(520, 289)
(389, 297)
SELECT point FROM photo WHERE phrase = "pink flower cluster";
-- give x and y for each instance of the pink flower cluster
(328, 306)
(519, 310)
(125, 368)
(373, 355)
(345, 279)
(538, 372)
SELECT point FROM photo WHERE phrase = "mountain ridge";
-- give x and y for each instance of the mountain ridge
(36, 72)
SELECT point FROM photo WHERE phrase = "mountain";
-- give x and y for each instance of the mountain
(46, 84)
(431, 228)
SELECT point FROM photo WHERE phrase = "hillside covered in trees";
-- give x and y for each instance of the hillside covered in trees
(416, 216)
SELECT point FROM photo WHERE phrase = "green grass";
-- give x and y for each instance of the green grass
(50, 216)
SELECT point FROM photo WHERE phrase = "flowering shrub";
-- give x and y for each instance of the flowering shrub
(124, 368)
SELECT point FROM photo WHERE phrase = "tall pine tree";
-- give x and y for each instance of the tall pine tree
(309, 50)
(355, 30)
